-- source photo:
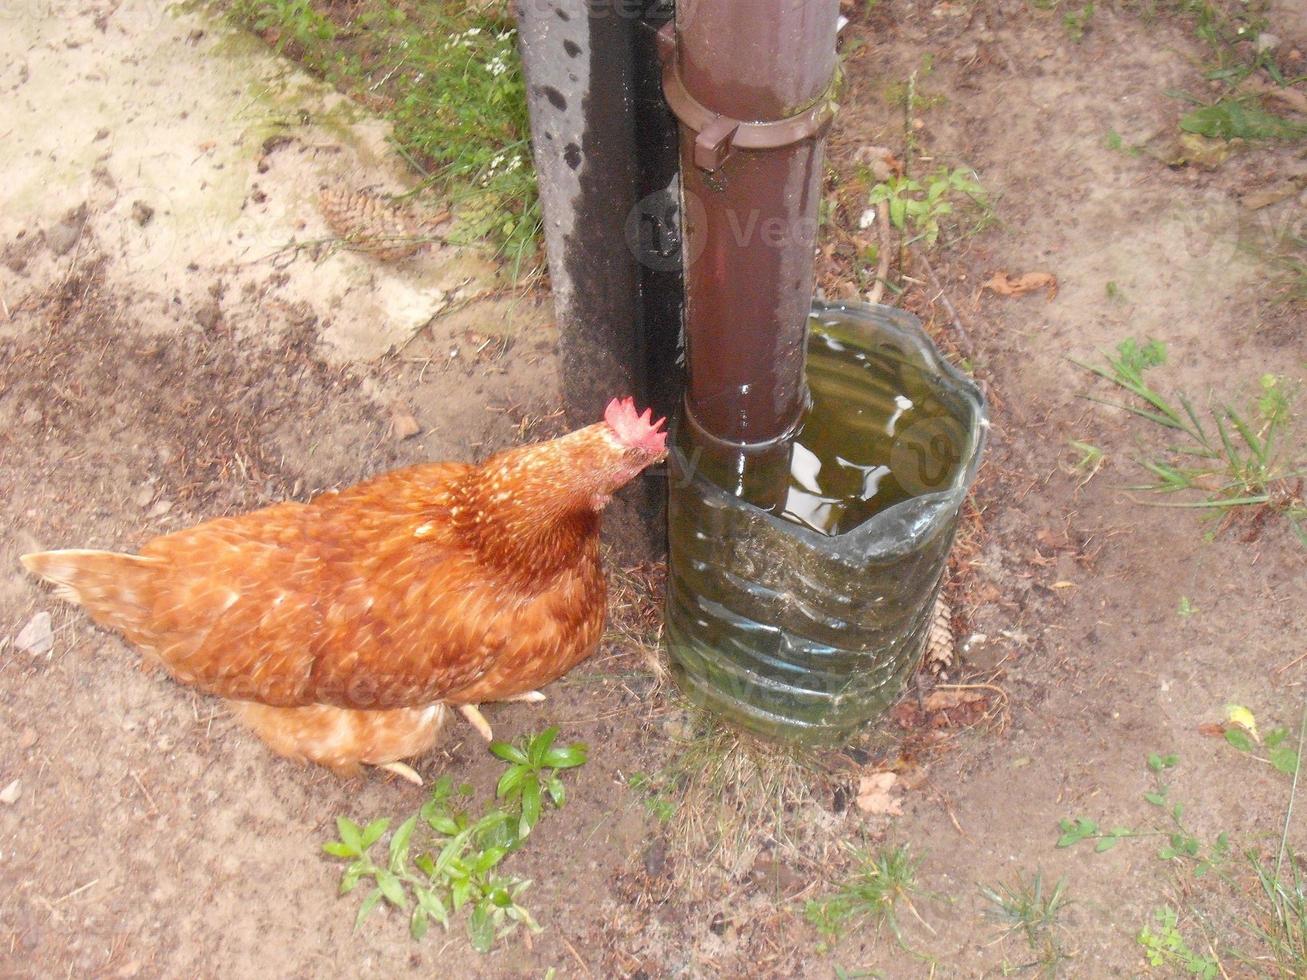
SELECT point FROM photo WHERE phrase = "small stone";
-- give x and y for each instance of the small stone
(144, 496)
(879, 160)
(101, 134)
(160, 508)
(32, 416)
(403, 425)
(62, 237)
(27, 738)
(209, 316)
(142, 213)
(36, 637)
(655, 857)
(11, 793)
(1267, 41)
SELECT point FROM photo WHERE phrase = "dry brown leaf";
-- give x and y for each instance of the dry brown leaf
(874, 794)
(1005, 284)
(939, 700)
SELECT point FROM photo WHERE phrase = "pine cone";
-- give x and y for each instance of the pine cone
(940, 644)
(370, 223)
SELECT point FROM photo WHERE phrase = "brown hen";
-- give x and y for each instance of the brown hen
(340, 628)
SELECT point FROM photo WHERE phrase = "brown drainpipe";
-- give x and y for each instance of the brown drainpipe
(751, 83)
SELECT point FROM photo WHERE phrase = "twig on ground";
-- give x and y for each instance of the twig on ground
(882, 266)
(964, 338)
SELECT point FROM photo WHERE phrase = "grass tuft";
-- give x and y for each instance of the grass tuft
(1224, 459)
(448, 76)
(1023, 907)
(872, 893)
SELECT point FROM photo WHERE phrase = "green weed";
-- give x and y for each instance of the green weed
(1253, 911)
(872, 893)
(1179, 842)
(294, 28)
(917, 207)
(1280, 919)
(909, 95)
(532, 775)
(1230, 29)
(1024, 908)
(1165, 946)
(1076, 22)
(1115, 141)
(1279, 755)
(1235, 459)
(457, 857)
(1240, 118)
(464, 123)
(661, 807)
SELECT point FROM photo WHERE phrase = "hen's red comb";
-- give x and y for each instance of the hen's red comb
(635, 430)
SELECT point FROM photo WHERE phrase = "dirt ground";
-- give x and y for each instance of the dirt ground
(165, 358)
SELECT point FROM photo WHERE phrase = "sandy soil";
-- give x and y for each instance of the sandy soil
(164, 358)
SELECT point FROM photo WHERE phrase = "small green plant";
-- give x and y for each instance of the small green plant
(457, 858)
(532, 774)
(880, 881)
(1186, 608)
(1240, 118)
(1165, 946)
(1234, 460)
(916, 207)
(1181, 844)
(1281, 756)
(1024, 907)
(1252, 911)
(659, 806)
(1115, 141)
(1076, 22)
(293, 21)
(909, 95)
(1089, 460)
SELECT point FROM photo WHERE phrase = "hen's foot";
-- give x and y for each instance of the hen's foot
(402, 771)
(477, 720)
(533, 697)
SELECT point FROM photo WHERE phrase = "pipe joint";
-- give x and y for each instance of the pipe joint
(716, 136)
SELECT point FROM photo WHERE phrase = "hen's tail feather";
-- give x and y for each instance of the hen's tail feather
(116, 589)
